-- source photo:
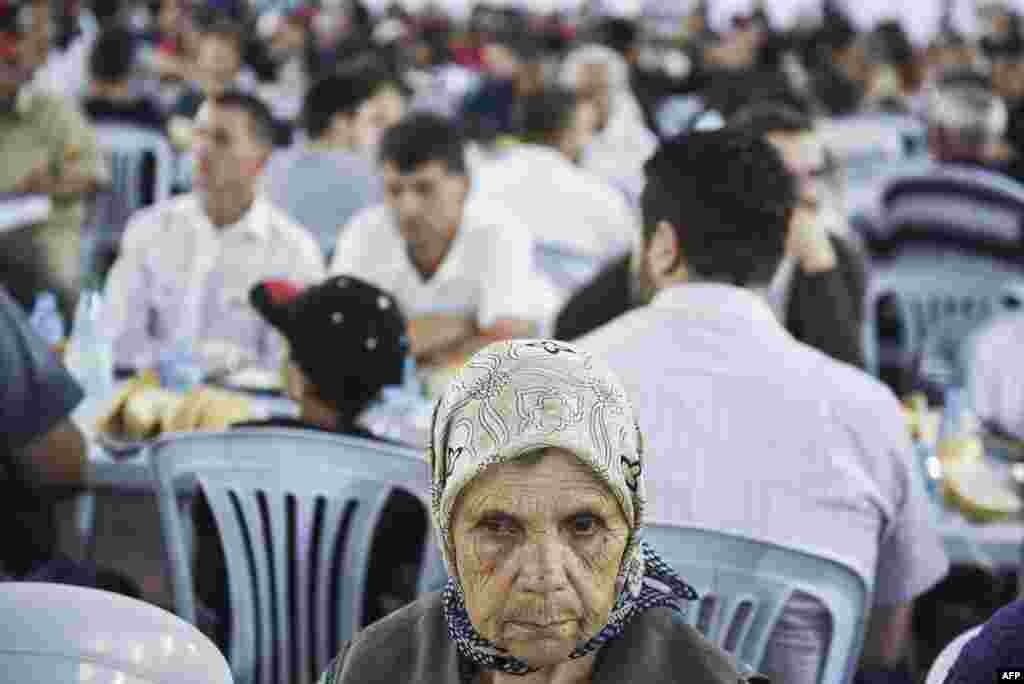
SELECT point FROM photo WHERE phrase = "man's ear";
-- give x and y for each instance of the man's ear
(664, 254)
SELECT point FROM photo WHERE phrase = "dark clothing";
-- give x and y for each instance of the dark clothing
(412, 646)
(492, 111)
(36, 394)
(141, 112)
(397, 546)
(824, 309)
(188, 104)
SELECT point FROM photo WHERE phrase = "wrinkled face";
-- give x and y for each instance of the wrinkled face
(217, 64)
(228, 156)
(594, 86)
(376, 115)
(427, 204)
(538, 567)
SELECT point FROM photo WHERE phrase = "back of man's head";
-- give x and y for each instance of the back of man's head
(547, 115)
(421, 139)
(765, 118)
(729, 198)
(113, 56)
(341, 93)
(964, 114)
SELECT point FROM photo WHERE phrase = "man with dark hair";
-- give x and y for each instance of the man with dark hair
(186, 265)
(540, 184)
(706, 363)
(112, 98)
(460, 269)
(327, 181)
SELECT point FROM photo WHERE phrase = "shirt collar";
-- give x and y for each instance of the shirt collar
(715, 301)
(255, 222)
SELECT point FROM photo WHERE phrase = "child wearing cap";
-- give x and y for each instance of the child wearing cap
(347, 340)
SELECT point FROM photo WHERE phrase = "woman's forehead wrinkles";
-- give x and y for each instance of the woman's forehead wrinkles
(521, 498)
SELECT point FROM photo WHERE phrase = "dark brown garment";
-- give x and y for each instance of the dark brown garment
(411, 646)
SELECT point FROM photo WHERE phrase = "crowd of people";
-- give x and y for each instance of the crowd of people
(353, 192)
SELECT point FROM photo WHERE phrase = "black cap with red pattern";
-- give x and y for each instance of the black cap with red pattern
(349, 337)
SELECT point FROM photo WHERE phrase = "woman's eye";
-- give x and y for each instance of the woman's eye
(585, 525)
(500, 527)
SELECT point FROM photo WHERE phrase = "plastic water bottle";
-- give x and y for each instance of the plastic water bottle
(47, 321)
(410, 378)
(90, 357)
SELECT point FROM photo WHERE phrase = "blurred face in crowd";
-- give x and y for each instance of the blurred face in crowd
(289, 39)
(502, 62)
(427, 203)
(22, 55)
(1008, 78)
(217, 64)
(171, 19)
(580, 133)
(804, 156)
(594, 86)
(538, 568)
(229, 158)
(382, 111)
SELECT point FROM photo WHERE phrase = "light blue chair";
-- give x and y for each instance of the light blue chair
(744, 585)
(126, 148)
(565, 267)
(942, 295)
(296, 511)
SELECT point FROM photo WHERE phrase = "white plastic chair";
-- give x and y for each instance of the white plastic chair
(744, 585)
(296, 511)
(61, 633)
(944, 663)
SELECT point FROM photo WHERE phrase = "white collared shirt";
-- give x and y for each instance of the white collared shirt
(485, 276)
(751, 432)
(994, 378)
(558, 201)
(180, 278)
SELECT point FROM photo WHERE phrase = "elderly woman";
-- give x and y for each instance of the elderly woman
(538, 499)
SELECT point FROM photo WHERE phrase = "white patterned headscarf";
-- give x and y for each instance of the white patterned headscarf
(521, 396)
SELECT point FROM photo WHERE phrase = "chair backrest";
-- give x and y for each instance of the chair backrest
(296, 511)
(63, 633)
(127, 148)
(744, 585)
(948, 291)
(565, 267)
(944, 663)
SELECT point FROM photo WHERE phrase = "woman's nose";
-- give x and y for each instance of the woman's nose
(543, 569)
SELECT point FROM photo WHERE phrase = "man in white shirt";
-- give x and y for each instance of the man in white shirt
(539, 183)
(459, 269)
(623, 142)
(749, 431)
(186, 265)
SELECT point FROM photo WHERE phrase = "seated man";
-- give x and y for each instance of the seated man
(186, 265)
(112, 98)
(44, 458)
(328, 180)
(817, 453)
(48, 149)
(347, 341)
(459, 269)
